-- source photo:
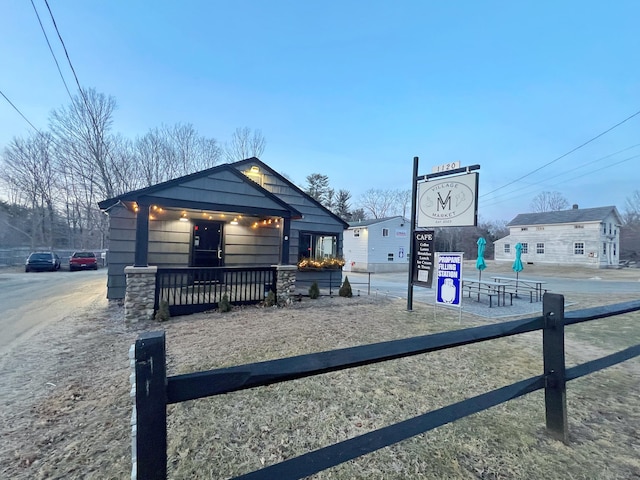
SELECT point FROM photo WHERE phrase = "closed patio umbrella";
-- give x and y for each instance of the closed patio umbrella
(517, 263)
(480, 265)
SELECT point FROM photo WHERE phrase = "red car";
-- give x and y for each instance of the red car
(83, 261)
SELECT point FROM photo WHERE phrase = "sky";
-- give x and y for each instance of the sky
(355, 90)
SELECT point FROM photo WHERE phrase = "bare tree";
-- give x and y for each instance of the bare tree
(29, 167)
(632, 208)
(244, 143)
(379, 203)
(404, 202)
(549, 202)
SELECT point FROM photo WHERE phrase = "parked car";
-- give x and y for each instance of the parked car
(83, 261)
(39, 261)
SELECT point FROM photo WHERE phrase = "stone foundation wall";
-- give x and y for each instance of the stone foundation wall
(140, 294)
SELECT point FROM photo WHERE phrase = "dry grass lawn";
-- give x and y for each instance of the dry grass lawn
(66, 408)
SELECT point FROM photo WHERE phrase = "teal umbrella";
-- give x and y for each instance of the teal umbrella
(517, 263)
(480, 265)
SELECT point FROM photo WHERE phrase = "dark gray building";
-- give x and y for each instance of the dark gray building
(238, 214)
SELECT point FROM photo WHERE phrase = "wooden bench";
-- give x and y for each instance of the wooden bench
(516, 286)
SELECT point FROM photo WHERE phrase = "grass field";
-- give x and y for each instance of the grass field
(66, 408)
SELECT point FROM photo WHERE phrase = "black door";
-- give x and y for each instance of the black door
(207, 244)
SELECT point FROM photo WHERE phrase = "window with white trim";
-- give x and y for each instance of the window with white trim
(356, 232)
(385, 232)
(507, 248)
(578, 248)
(540, 248)
(604, 248)
(525, 248)
(390, 257)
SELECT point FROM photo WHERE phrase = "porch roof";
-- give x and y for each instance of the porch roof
(220, 188)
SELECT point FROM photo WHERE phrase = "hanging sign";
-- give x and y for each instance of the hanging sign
(448, 201)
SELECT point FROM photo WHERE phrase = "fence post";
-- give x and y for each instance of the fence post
(151, 407)
(555, 391)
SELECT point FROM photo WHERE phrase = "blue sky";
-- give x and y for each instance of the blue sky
(355, 90)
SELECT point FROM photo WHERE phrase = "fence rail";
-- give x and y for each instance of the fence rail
(192, 289)
(154, 390)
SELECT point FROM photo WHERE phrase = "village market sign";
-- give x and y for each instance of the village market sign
(448, 202)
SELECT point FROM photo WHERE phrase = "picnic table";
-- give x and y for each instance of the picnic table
(534, 287)
(489, 288)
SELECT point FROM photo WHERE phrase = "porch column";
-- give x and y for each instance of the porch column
(285, 283)
(140, 295)
(286, 239)
(142, 236)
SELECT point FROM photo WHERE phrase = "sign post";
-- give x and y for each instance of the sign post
(448, 197)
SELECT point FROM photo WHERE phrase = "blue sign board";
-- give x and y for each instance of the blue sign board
(449, 275)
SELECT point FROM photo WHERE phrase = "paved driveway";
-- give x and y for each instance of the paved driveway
(31, 300)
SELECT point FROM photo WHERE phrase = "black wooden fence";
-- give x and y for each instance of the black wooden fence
(192, 289)
(154, 390)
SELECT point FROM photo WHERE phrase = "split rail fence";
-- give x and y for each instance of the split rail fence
(154, 390)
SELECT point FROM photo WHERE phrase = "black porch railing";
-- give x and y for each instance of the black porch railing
(154, 390)
(192, 289)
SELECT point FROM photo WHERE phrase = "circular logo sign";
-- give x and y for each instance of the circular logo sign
(445, 201)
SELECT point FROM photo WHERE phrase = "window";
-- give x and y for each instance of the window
(317, 246)
(604, 228)
(390, 257)
(578, 226)
(604, 248)
(385, 232)
(609, 229)
(524, 229)
(578, 248)
(356, 232)
(525, 248)
(507, 248)
(539, 228)
(614, 249)
(539, 247)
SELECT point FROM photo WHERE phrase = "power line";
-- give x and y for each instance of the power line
(563, 155)
(564, 181)
(51, 49)
(561, 174)
(19, 112)
(63, 46)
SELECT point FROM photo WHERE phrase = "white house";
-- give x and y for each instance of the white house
(379, 245)
(587, 236)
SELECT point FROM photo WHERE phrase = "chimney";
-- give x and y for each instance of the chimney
(575, 206)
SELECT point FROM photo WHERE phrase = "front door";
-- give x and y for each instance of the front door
(207, 244)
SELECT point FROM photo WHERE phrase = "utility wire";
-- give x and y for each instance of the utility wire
(51, 50)
(563, 155)
(498, 202)
(19, 112)
(519, 191)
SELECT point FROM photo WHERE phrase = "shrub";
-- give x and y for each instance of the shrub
(271, 299)
(314, 290)
(224, 305)
(162, 315)
(345, 289)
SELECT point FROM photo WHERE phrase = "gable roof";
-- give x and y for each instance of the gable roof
(260, 163)
(574, 215)
(373, 221)
(154, 191)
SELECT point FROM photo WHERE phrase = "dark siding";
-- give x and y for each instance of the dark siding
(122, 234)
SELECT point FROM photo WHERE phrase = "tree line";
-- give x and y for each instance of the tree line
(53, 179)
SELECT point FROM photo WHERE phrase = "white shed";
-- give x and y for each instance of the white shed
(378, 245)
(587, 236)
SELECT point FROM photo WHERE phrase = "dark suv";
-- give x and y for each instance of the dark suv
(83, 261)
(39, 261)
